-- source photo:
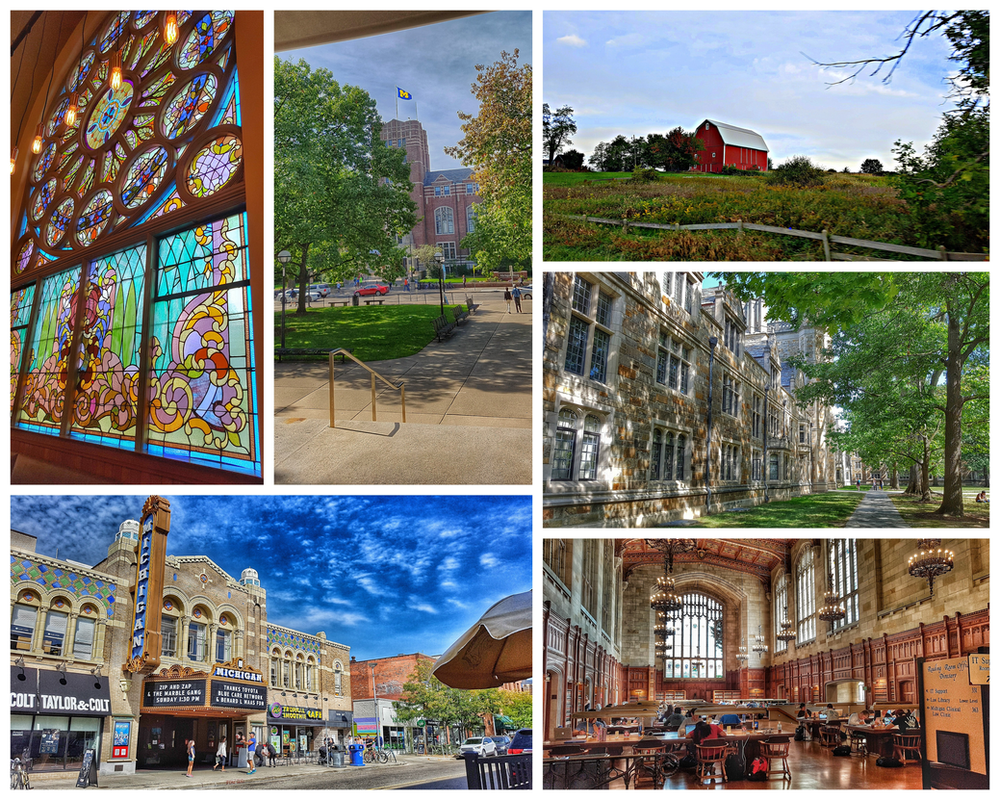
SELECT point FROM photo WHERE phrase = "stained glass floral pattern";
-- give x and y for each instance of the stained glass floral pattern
(56, 228)
(24, 257)
(214, 165)
(208, 32)
(144, 176)
(108, 114)
(20, 311)
(189, 105)
(43, 196)
(94, 217)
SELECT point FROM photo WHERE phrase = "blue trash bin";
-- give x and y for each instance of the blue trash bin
(357, 759)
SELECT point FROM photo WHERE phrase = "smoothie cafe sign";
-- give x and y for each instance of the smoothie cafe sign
(147, 592)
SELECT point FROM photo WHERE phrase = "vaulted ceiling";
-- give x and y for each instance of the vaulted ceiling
(757, 557)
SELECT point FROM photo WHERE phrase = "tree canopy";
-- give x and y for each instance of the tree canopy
(557, 127)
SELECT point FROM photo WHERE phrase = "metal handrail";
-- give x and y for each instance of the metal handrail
(340, 351)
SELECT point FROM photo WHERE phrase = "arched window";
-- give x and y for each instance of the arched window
(131, 245)
(83, 636)
(311, 675)
(470, 218)
(224, 640)
(298, 673)
(54, 639)
(338, 679)
(169, 627)
(286, 671)
(23, 620)
(275, 667)
(780, 604)
(844, 572)
(444, 220)
(697, 640)
(577, 447)
(805, 596)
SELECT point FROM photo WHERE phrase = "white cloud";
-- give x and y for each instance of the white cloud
(572, 40)
(489, 560)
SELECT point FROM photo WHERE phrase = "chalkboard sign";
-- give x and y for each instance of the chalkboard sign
(88, 773)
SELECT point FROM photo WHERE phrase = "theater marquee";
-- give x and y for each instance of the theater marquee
(232, 687)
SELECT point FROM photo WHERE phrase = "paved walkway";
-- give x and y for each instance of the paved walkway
(876, 510)
(468, 411)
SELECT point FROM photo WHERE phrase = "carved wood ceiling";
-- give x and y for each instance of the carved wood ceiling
(757, 557)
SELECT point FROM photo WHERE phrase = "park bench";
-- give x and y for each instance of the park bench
(378, 300)
(443, 328)
(460, 315)
(335, 303)
(309, 351)
(470, 305)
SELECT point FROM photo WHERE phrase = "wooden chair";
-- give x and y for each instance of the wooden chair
(775, 752)
(650, 764)
(830, 736)
(708, 757)
(903, 743)
(567, 750)
(859, 743)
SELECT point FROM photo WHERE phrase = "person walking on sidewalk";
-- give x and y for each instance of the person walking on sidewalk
(189, 746)
(252, 753)
(517, 298)
(220, 755)
(507, 297)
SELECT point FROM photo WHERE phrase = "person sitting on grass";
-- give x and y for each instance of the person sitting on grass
(981, 497)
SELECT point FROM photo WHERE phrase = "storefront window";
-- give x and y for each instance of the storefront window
(22, 626)
(83, 641)
(55, 633)
(82, 736)
(48, 741)
(196, 642)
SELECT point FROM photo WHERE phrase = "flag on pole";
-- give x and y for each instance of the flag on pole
(403, 95)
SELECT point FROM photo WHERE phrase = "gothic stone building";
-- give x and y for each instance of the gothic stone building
(445, 199)
(626, 403)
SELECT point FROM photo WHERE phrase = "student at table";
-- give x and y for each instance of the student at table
(673, 722)
(831, 712)
(803, 712)
(859, 717)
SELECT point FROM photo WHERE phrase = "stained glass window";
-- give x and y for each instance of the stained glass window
(163, 336)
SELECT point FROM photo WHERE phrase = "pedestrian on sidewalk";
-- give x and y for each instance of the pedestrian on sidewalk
(220, 755)
(189, 746)
(465, 280)
(517, 298)
(252, 753)
(271, 755)
(507, 297)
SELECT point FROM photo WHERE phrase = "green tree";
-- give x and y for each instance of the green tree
(573, 159)
(871, 166)
(517, 706)
(497, 145)
(796, 171)
(336, 183)
(557, 127)
(618, 155)
(675, 152)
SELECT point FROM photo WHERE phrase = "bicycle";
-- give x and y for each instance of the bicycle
(19, 774)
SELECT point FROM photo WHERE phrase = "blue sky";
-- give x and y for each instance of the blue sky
(635, 73)
(384, 575)
(435, 63)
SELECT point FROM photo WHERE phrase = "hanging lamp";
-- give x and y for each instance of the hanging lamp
(787, 632)
(759, 645)
(833, 609)
(74, 97)
(170, 32)
(931, 563)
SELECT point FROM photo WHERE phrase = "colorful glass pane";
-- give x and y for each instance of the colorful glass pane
(57, 117)
(204, 38)
(229, 109)
(87, 180)
(140, 47)
(171, 203)
(94, 217)
(70, 174)
(106, 400)
(114, 31)
(202, 407)
(57, 223)
(43, 196)
(214, 166)
(143, 18)
(144, 176)
(153, 94)
(108, 114)
(158, 58)
(24, 256)
(44, 161)
(189, 105)
(48, 361)
(79, 72)
(20, 313)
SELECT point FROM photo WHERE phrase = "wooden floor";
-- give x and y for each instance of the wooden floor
(813, 767)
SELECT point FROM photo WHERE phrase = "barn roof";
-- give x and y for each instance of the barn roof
(739, 137)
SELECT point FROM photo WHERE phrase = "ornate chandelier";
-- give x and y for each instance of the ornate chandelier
(671, 548)
(833, 610)
(930, 562)
(665, 598)
(787, 632)
(741, 655)
(759, 645)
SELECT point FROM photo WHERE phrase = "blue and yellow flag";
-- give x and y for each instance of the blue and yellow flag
(403, 95)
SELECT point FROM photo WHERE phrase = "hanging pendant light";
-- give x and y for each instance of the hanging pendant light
(39, 141)
(742, 655)
(116, 68)
(170, 32)
(665, 598)
(759, 645)
(833, 609)
(13, 160)
(74, 98)
(787, 632)
(931, 563)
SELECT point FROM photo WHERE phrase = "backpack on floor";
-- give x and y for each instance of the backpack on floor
(688, 761)
(736, 767)
(758, 770)
(800, 733)
(888, 761)
(842, 750)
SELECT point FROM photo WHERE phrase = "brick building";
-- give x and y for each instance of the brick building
(445, 199)
(598, 626)
(378, 683)
(223, 669)
(627, 360)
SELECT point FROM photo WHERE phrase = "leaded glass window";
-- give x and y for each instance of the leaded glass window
(591, 448)
(577, 448)
(576, 345)
(444, 220)
(588, 339)
(663, 463)
(599, 357)
(805, 596)
(843, 555)
(164, 360)
(562, 458)
(673, 364)
(697, 639)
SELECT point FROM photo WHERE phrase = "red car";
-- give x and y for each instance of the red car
(371, 289)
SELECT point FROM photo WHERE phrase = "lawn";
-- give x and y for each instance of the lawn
(829, 510)
(921, 515)
(372, 333)
(860, 206)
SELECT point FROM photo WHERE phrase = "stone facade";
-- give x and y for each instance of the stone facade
(627, 361)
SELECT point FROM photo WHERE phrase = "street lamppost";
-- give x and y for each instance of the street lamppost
(812, 461)
(284, 257)
(712, 342)
(766, 467)
(439, 257)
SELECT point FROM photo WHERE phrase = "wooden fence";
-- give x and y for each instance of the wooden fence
(940, 254)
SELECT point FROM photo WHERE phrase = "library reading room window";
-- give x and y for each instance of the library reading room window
(131, 322)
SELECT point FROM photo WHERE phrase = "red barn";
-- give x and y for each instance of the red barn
(727, 144)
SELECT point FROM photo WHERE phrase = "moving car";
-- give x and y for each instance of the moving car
(525, 292)
(373, 288)
(322, 288)
(483, 745)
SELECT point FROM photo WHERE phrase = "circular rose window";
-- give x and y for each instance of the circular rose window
(108, 114)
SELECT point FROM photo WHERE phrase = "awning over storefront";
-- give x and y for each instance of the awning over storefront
(48, 691)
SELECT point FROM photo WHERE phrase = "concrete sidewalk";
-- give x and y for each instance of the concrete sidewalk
(876, 510)
(468, 411)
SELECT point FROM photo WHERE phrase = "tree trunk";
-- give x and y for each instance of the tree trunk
(303, 281)
(913, 487)
(894, 479)
(925, 468)
(952, 505)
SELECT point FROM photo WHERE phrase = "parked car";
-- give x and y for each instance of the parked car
(324, 289)
(483, 745)
(368, 289)
(521, 743)
(525, 291)
(502, 743)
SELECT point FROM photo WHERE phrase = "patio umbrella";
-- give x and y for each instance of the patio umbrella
(494, 651)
